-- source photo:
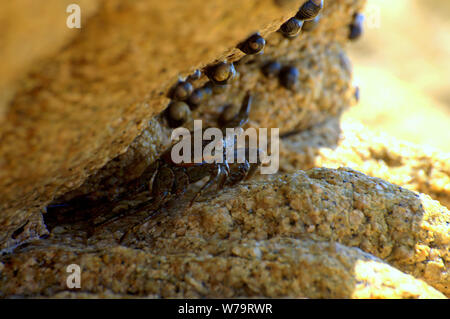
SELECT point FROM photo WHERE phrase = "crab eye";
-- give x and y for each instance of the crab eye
(181, 91)
(309, 10)
(221, 73)
(291, 28)
(254, 44)
(289, 77)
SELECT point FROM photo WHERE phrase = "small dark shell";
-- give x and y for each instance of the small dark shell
(181, 91)
(356, 27)
(196, 98)
(289, 77)
(177, 113)
(271, 69)
(194, 76)
(199, 96)
(291, 28)
(310, 25)
(309, 10)
(221, 73)
(254, 44)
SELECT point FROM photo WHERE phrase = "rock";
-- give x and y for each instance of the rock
(279, 267)
(32, 32)
(223, 245)
(89, 110)
(82, 115)
(335, 144)
(341, 205)
(326, 90)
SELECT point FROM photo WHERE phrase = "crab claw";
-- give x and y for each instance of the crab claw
(241, 117)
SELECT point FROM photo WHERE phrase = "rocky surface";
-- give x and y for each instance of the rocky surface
(337, 143)
(81, 122)
(293, 235)
(323, 92)
(79, 107)
(266, 268)
(85, 105)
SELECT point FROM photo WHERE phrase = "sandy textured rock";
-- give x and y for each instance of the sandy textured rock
(221, 268)
(221, 246)
(335, 144)
(81, 115)
(410, 231)
(324, 91)
(85, 105)
(32, 31)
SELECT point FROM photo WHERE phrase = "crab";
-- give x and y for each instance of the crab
(167, 180)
